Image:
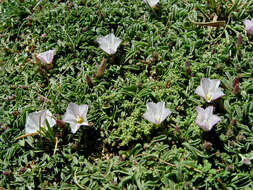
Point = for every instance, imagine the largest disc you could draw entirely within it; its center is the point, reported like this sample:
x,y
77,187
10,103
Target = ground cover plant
x,y
165,52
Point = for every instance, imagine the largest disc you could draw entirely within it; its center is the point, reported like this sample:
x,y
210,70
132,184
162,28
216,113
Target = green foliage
x,y
121,150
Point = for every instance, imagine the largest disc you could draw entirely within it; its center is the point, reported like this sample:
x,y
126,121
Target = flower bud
x,y
207,145
239,39
89,81
188,68
101,69
235,86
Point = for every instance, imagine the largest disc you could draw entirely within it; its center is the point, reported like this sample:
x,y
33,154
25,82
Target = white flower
x,y
248,26
152,3
37,120
76,116
156,113
109,43
209,89
46,57
206,119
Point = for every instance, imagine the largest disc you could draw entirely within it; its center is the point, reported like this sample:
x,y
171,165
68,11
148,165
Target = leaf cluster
x,y
121,149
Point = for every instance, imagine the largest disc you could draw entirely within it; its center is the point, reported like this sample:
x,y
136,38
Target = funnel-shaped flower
x,y
109,43
206,119
248,26
76,116
156,113
46,57
209,89
152,3
37,120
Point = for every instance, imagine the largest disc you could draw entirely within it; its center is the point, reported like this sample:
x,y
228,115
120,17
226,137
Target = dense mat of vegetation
x,y
162,57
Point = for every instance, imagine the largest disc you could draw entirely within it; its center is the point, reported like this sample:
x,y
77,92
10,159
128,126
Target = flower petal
x,y
215,83
209,110
199,91
205,84
47,115
217,94
201,125
73,108
205,118
248,26
150,118
165,112
47,56
75,115
156,112
71,113
74,127
32,123
152,3
68,117
109,43
209,89
247,22
200,110
213,120
38,119
83,109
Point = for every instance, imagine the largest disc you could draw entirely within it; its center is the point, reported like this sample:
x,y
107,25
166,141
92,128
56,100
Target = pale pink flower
x,y
151,3
248,26
206,119
44,35
209,89
109,43
46,57
75,115
37,120
156,113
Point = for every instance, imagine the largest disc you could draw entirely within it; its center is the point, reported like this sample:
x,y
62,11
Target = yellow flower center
x,y
43,127
79,119
158,121
208,97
